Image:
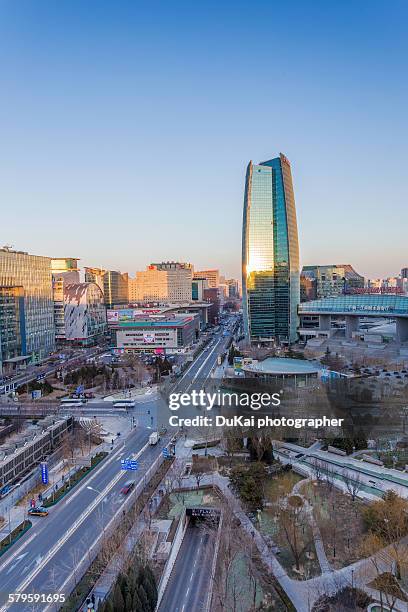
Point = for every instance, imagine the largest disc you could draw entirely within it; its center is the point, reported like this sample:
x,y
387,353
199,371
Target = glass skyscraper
x,y
29,276
270,253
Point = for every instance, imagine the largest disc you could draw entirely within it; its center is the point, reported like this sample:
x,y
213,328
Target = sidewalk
x,y
15,513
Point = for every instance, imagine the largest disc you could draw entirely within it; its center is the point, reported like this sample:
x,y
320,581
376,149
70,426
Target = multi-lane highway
x,y
187,590
55,552
53,555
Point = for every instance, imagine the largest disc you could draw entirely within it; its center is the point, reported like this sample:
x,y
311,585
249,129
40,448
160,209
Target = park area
x,y
340,521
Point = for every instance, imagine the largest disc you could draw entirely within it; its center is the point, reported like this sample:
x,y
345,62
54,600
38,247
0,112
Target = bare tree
x,y
330,476
198,476
353,483
294,526
318,469
229,588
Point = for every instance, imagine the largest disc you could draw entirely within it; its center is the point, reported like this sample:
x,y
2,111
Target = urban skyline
x,y
87,129
203,358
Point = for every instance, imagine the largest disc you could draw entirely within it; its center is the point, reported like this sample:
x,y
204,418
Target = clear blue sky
x,y
126,127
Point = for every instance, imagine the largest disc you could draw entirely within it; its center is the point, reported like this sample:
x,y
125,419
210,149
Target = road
x,y
48,557
56,551
45,369
187,589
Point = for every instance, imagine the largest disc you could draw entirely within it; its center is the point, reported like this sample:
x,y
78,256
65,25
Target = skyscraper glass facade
x,y
33,275
270,253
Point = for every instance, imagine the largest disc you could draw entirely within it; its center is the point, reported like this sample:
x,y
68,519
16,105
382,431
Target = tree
x,y
128,603
294,527
248,483
118,603
318,467
145,606
150,586
109,607
385,545
198,476
260,447
136,602
353,483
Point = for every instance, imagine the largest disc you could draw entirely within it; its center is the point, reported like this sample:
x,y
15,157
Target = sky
x,y
126,128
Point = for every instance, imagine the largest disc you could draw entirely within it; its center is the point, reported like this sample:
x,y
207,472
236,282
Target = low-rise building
x,y
160,334
22,454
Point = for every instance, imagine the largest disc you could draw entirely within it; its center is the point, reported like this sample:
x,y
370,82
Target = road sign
x,y
44,472
165,453
129,464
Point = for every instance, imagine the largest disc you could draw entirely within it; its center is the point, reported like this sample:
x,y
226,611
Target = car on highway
x,y
127,487
38,511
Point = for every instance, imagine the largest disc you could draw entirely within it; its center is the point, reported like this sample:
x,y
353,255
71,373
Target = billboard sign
x,y
44,472
238,362
112,316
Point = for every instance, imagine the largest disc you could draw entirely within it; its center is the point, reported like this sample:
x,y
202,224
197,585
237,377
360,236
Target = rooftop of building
x,y
366,305
348,269
282,366
165,322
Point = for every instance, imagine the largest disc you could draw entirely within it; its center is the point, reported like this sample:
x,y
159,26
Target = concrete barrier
x,y
178,539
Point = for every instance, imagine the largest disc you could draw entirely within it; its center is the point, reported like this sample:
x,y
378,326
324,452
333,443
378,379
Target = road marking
x,y
101,534
43,561
91,477
74,494
17,551
203,364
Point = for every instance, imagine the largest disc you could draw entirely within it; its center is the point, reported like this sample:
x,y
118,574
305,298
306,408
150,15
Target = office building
x,y
95,275
308,288
330,281
150,285
115,288
270,254
64,271
20,455
212,296
404,273
212,276
198,287
29,277
11,328
232,289
84,314
179,279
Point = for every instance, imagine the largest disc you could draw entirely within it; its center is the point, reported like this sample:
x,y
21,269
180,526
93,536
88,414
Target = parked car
x,y
38,511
